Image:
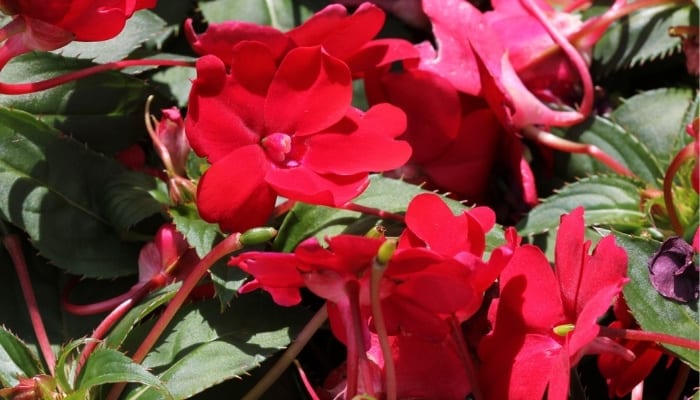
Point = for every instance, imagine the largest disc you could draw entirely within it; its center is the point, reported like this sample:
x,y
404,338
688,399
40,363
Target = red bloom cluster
x,y
435,277
271,112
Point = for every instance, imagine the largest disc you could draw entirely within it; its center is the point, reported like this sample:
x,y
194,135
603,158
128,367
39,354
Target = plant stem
x,y
679,382
14,247
380,326
31,87
645,336
557,143
226,246
289,355
685,154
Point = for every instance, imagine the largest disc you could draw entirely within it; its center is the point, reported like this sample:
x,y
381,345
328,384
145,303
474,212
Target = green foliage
x,y
653,312
280,14
16,359
53,188
642,37
204,346
609,200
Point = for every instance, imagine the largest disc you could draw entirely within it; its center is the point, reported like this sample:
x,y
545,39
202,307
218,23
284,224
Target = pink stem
x,y
289,355
372,211
307,385
31,87
14,247
571,52
226,246
555,142
99,307
645,336
685,154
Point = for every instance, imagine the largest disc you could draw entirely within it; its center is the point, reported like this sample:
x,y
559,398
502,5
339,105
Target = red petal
x,y
431,104
225,111
339,34
276,273
220,39
311,91
429,218
233,192
570,256
455,23
606,267
305,185
371,148
380,52
530,294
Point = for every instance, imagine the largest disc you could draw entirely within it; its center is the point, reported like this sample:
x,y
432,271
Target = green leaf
x,y
126,324
16,359
642,37
200,234
386,194
658,119
206,347
105,111
142,26
608,200
614,141
51,187
127,199
227,281
178,81
653,312
279,14
110,366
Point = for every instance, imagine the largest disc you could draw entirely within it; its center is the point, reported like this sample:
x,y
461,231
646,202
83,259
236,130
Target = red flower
x,y
458,142
286,129
546,320
51,24
343,36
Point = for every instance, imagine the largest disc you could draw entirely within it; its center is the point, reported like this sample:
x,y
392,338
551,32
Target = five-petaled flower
x,y
286,129
545,320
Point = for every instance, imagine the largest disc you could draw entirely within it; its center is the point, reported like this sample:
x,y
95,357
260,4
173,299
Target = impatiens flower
x,y
284,129
346,37
672,271
544,320
51,24
168,255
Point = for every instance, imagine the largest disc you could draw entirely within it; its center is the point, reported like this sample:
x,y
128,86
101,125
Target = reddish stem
x,y
307,385
685,154
373,211
289,355
31,87
100,306
645,336
571,52
14,247
679,382
226,246
555,142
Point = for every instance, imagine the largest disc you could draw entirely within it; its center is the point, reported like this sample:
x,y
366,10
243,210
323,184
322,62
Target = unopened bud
x,y
386,250
258,235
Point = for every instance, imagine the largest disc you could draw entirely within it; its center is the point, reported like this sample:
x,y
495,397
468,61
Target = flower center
x,y
277,146
563,330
